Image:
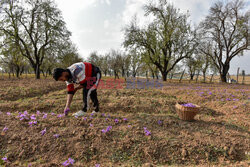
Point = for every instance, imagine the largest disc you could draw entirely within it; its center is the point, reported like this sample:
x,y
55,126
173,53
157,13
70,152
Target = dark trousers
x,y
90,90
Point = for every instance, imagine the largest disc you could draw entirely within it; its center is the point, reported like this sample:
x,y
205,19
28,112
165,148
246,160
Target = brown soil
x,y
219,136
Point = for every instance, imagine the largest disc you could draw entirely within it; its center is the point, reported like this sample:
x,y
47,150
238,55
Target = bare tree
x,y
225,34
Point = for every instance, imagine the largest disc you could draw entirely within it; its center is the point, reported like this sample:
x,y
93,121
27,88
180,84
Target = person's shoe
x,y
79,113
94,112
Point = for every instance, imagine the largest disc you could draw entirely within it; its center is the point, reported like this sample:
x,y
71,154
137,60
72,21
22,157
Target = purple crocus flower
x,y
91,125
147,132
116,120
38,112
43,131
45,116
66,112
159,122
103,114
56,135
107,129
8,113
129,126
5,129
97,165
33,117
53,113
32,122
125,119
60,115
5,159
68,162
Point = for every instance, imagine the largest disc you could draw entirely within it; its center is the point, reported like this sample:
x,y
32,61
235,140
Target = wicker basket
x,y
187,113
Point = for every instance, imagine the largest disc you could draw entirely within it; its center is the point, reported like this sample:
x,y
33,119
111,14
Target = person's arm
x,y
69,100
71,92
78,87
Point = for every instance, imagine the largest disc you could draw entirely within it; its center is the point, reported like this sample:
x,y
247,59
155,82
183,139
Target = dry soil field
x,y
135,127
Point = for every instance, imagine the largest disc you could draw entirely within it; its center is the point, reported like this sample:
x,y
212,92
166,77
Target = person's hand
x,y
66,111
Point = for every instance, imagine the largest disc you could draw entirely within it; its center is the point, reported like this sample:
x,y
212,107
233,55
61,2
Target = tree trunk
x,y
164,77
223,75
191,76
37,72
204,76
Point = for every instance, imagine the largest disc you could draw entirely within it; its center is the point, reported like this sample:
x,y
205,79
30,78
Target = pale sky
x,y
96,25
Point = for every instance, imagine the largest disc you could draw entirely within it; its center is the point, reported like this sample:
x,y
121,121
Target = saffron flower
x,y
5,159
5,129
43,131
66,112
107,129
159,122
45,116
32,122
68,162
33,117
23,116
59,115
56,135
147,132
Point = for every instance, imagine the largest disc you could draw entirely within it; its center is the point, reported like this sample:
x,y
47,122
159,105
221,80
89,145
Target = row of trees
x,y
34,35
170,40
